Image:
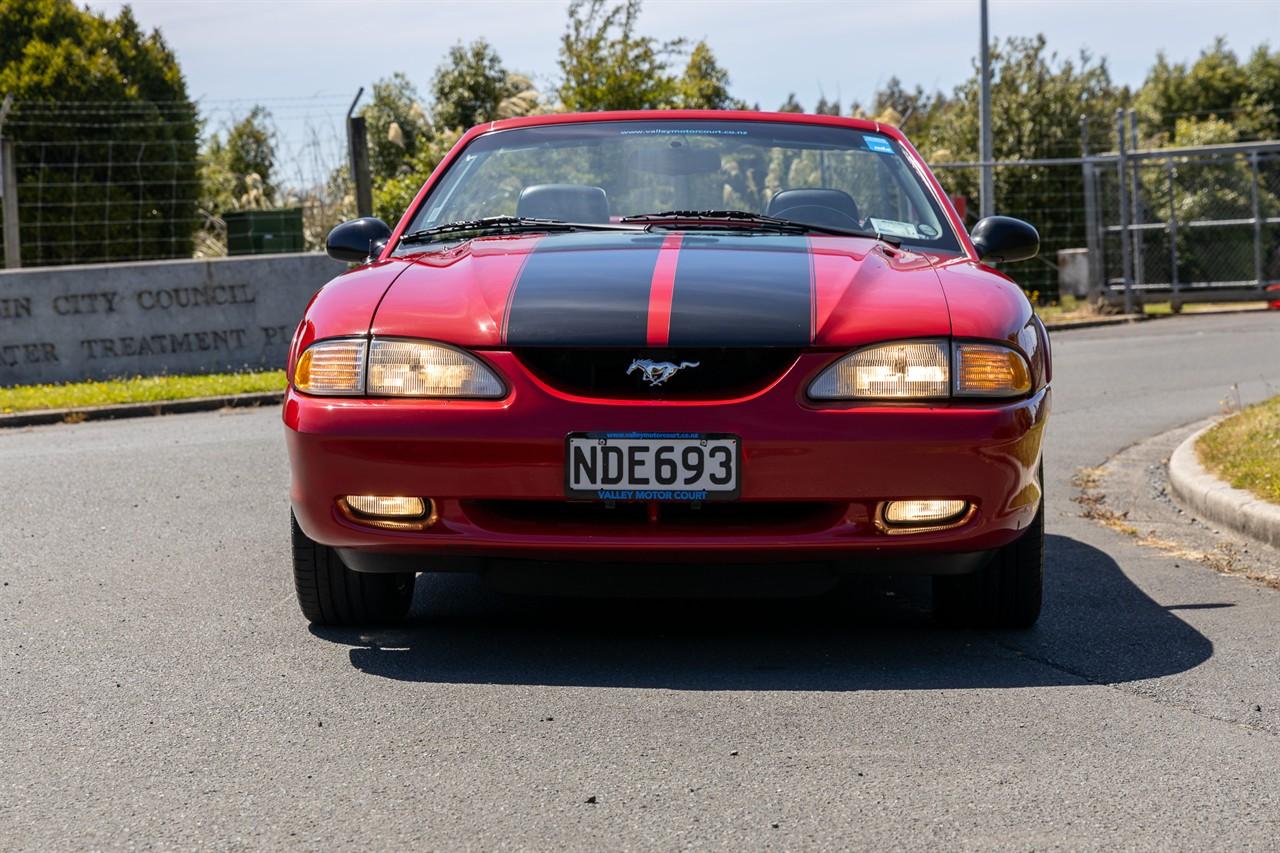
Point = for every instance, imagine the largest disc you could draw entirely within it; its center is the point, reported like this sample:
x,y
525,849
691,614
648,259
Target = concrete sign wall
x,y
59,324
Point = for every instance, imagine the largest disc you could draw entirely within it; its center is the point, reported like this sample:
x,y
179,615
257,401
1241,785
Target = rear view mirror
x,y
1003,238
358,240
676,161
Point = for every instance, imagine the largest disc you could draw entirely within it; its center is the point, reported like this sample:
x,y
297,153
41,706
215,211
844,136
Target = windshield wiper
x,y
747,219
506,225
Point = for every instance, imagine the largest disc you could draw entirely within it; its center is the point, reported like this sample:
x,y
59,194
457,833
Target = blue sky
x,y
315,53
289,48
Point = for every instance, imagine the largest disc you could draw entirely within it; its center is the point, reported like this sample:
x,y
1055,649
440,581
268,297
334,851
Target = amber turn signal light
x,y
334,367
985,370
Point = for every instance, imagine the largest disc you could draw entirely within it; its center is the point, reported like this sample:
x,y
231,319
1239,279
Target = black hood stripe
x,y
743,291
584,289
596,289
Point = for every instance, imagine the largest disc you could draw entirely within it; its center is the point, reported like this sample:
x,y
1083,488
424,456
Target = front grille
x,y
534,516
721,373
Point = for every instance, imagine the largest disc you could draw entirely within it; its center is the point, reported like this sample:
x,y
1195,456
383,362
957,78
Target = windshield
x,y
600,172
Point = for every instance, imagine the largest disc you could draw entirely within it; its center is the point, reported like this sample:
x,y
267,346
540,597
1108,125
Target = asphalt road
x,y
160,689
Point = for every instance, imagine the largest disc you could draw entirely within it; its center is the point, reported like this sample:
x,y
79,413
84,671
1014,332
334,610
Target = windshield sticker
x,y
879,144
894,228
681,131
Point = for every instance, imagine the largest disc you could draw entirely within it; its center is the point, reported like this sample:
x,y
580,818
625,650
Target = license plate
x,y
640,466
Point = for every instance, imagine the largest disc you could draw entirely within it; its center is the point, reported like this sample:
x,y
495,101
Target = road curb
x,y
1217,501
1124,319
1121,320
139,410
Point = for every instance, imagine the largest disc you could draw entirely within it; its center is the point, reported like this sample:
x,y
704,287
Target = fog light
x,y
390,512
387,507
923,513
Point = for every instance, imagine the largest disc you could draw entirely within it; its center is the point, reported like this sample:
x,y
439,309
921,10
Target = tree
x,y
1209,189
391,197
396,125
791,105
527,100
237,174
827,108
251,147
104,133
1263,73
607,66
1246,96
907,110
704,84
1037,99
471,85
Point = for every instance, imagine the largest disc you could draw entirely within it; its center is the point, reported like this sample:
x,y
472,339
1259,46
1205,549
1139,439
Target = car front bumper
x,y
812,477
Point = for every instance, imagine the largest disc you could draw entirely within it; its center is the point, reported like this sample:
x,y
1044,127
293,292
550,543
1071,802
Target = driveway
x,y
160,688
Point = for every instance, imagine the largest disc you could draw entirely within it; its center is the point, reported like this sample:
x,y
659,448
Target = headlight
x,y
924,370
915,370
354,366
419,369
333,367
990,370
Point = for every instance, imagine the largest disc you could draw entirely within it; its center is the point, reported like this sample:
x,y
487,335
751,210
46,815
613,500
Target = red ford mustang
x,y
646,342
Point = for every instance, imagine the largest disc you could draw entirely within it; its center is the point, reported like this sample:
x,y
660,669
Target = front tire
x,y
331,594
1006,593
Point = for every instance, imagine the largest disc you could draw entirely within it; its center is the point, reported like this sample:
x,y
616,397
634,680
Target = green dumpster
x,y
263,232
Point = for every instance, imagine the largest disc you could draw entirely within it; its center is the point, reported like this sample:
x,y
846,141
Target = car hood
x,y
690,289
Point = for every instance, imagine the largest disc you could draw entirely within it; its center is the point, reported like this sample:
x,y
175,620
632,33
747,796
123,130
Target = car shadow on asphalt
x,y
870,634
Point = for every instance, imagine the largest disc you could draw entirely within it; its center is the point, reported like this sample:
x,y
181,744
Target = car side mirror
x,y
1003,238
357,240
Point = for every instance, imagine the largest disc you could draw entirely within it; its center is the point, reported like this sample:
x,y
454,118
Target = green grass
x,y
1201,307
1244,450
1067,309
139,389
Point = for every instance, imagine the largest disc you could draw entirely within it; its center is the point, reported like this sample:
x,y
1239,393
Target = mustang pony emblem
x,y
657,372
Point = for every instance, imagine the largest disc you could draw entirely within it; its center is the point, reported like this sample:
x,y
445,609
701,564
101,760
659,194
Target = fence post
x,y
986,148
358,141
9,191
1135,199
1257,220
1092,237
1173,233
1122,173
358,148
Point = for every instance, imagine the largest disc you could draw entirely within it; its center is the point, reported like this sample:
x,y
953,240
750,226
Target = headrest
x,y
566,202
815,206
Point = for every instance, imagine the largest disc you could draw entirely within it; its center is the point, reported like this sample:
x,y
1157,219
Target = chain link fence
x,y
1189,224
95,182
1180,225
98,182
1048,193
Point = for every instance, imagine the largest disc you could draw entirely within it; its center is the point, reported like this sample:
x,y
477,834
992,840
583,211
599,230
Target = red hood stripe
x,y
661,290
